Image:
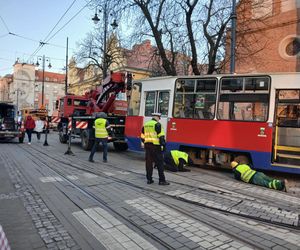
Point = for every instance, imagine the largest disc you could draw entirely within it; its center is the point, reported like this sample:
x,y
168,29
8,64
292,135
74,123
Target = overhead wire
x,y
60,19
4,23
46,42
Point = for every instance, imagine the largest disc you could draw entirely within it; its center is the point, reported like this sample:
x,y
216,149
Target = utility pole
x,y
66,78
233,37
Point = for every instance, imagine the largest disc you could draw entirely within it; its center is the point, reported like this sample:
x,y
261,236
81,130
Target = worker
x,y
176,160
102,129
245,173
153,138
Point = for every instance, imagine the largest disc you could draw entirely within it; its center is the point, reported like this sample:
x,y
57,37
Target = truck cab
x,y
10,127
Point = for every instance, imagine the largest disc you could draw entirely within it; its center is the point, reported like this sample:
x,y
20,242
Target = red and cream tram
x,y
218,117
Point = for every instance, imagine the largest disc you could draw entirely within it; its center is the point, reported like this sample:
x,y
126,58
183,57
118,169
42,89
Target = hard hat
x,y
156,114
234,164
101,115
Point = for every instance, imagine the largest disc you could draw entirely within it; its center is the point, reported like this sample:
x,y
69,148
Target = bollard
x,y
46,133
69,128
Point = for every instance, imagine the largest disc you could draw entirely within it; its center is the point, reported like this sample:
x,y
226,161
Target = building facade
x,y
24,87
268,36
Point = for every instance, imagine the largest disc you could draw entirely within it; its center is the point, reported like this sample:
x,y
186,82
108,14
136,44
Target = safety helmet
x,y
234,164
101,115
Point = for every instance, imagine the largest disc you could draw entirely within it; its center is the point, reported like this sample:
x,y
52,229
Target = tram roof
x,y
218,75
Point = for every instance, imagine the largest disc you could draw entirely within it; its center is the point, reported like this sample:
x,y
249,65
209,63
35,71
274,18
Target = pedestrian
x,y
29,127
176,160
244,173
39,126
153,138
102,129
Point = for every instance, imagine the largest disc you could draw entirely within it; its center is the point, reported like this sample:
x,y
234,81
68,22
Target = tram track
x,y
85,167
144,194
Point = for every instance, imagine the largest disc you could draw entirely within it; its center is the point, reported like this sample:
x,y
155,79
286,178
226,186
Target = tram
x,y
216,118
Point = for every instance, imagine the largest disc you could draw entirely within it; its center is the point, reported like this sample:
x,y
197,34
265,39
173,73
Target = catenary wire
x,y
59,20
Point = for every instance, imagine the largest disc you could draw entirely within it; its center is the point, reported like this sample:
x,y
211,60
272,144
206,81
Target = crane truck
x,y
77,112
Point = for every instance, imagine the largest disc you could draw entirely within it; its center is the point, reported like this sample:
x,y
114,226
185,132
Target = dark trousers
x,y
169,162
154,155
38,135
95,147
29,133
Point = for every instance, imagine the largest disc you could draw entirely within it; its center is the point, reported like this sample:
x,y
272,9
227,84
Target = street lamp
x,y
43,59
114,26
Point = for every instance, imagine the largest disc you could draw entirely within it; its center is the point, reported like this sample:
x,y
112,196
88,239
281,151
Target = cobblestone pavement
x,y
109,206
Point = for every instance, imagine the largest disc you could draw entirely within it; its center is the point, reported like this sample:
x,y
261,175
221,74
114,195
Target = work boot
x,y
105,161
150,181
91,160
164,183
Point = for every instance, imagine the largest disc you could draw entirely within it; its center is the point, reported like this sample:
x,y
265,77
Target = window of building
x,y
289,47
250,103
198,102
261,9
293,47
288,5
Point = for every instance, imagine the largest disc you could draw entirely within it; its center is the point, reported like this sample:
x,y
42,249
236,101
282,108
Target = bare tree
x,y
91,50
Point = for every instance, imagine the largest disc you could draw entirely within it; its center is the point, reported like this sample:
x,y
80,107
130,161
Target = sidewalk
x,y
16,222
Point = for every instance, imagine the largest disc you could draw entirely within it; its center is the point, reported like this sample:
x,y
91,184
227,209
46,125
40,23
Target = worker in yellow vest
x,y
102,128
176,160
153,138
244,173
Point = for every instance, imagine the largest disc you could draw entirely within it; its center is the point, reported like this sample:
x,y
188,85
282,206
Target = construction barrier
x,y
81,125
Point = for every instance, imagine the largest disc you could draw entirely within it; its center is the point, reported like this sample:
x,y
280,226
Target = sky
x,y
31,21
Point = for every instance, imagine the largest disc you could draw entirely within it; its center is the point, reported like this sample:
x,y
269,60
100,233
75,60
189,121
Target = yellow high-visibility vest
x,y
246,172
100,129
176,155
150,135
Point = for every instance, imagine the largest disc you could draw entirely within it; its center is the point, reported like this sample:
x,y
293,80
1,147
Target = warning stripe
x,y
81,125
70,124
55,119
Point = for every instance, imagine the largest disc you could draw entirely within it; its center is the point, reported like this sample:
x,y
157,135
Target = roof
x,y
50,76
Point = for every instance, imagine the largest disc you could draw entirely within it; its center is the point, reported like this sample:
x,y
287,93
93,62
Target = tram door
x,y
157,102
287,130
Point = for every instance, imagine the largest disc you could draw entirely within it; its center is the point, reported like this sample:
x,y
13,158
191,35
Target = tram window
x,y
198,104
288,115
232,84
185,85
183,106
243,111
163,103
256,83
150,103
206,85
135,99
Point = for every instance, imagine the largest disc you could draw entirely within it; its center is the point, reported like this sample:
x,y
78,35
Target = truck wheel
x,y
86,142
63,138
120,146
21,139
